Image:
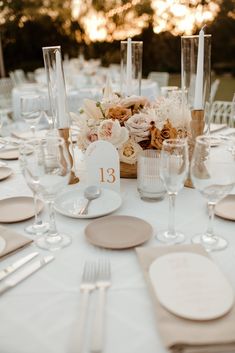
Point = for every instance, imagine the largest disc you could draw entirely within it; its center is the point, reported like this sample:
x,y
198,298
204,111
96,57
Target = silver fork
x,y
88,284
103,281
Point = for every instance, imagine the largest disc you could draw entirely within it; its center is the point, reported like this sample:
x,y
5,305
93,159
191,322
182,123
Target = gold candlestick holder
x,y
65,134
197,125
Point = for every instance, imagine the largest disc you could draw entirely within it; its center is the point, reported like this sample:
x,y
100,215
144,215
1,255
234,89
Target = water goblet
x,y
31,110
51,172
173,171
27,163
213,174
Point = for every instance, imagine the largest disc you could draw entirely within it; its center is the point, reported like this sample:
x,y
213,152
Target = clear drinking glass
x,y
173,171
149,183
30,110
27,164
213,174
50,172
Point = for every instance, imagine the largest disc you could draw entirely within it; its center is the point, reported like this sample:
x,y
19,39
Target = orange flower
x,y
119,113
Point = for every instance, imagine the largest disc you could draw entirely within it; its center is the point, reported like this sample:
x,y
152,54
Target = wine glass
x,y
173,172
213,174
50,172
27,164
30,110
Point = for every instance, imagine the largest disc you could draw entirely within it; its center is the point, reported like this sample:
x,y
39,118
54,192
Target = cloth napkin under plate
x,y
13,241
188,336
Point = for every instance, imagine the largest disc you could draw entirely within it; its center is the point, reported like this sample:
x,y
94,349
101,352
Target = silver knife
x,y
24,273
17,264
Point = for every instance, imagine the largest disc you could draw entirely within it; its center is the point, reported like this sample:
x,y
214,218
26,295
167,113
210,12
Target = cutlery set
x,y
8,283
96,276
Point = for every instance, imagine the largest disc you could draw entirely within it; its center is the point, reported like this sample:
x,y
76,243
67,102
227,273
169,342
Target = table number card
x,y
103,166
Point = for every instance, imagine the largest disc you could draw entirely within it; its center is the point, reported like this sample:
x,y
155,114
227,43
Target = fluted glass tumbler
x,y
149,183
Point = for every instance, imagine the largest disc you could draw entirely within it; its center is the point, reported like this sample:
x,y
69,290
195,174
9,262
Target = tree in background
x,y
114,20
28,25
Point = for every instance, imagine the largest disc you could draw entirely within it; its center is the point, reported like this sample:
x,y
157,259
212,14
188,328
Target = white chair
x,y
221,113
162,78
214,88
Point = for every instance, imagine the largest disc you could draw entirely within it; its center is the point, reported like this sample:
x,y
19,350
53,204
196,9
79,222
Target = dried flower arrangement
x,y
132,124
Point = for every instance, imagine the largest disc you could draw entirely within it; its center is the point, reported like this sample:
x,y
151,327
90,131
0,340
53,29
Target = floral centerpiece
x,y
132,124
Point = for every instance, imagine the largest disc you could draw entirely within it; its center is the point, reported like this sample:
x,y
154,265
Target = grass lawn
x,y
225,90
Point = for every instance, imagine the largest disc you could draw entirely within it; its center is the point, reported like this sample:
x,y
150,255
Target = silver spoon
x,y
91,193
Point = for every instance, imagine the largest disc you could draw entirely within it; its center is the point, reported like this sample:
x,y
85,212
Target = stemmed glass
x,y
30,110
27,163
173,172
213,174
50,172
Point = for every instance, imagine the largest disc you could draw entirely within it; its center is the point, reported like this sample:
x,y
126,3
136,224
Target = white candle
x,y
129,68
62,115
198,97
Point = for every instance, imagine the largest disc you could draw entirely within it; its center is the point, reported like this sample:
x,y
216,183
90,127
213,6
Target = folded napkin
x,y
182,335
13,241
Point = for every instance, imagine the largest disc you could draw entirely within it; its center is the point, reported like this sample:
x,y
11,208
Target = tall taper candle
x,y
129,68
198,97
62,114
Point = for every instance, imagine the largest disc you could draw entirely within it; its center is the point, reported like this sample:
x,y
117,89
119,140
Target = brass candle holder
x,y
65,134
197,125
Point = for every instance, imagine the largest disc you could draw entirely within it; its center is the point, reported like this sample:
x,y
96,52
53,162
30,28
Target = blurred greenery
x,y
28,25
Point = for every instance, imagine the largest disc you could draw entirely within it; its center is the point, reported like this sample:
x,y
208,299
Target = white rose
x,y
138,126
86,136
111,131
128,153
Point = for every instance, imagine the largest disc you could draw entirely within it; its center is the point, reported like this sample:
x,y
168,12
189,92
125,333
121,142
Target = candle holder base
x,y
65,134
197,127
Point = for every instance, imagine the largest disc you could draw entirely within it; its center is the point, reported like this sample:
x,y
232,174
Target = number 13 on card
x,y
107,175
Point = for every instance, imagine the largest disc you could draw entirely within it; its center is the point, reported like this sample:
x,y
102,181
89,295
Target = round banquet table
x,y
37,315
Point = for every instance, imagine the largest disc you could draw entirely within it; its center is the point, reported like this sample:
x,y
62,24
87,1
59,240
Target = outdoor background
x,y
96,27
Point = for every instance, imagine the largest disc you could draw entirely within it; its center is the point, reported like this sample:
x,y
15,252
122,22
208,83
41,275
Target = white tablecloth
x,y
75,96
37,316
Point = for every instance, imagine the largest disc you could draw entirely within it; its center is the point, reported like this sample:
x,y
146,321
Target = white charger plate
x,y
191,286
70,202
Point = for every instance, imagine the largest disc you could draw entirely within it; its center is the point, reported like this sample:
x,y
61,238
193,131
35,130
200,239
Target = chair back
x,y
221,113
214,88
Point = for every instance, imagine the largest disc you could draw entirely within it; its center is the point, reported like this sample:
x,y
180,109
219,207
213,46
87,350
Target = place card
x,y
191,286
103,165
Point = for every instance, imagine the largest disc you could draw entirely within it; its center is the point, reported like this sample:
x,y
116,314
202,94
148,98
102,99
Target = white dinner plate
x,y
226,208
191,286
27,135
17,209
118,232
9,153
2,244
5,172
70,202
